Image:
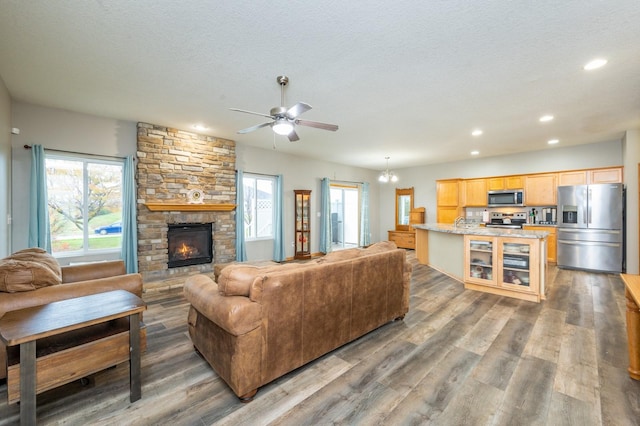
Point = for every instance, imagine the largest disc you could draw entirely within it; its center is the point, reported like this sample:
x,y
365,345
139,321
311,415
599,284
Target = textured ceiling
x,y
404,79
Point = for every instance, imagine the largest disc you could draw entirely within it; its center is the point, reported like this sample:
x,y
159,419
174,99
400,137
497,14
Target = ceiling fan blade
x,y
317,125
293,136
252,128
251,112
298,109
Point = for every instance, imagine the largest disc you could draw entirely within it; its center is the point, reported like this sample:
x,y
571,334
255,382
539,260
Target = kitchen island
x,y
507,262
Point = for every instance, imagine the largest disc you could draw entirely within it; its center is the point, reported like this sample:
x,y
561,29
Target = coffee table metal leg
x,y
28,383
135,385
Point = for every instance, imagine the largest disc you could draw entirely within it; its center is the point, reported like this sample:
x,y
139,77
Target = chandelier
x,y
386,175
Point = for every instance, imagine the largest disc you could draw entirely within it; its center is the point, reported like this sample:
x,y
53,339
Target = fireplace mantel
x,y
177,207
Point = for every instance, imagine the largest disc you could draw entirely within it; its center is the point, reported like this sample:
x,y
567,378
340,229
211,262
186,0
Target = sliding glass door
x,y
345,217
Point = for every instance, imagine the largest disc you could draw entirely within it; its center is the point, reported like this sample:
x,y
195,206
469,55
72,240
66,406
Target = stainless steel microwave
x,y
506,198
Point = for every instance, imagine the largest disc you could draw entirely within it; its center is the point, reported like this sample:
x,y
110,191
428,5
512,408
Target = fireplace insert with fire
x,y
190,244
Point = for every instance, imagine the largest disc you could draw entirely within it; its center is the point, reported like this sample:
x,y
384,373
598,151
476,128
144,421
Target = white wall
x,y
70,131
63,130
631,155
5,170
302,173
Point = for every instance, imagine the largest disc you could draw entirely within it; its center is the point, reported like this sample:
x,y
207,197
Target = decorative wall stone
x,y
172,162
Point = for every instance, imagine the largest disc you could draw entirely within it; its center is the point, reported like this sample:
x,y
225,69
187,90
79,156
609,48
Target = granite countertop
x,y
541,224
482,231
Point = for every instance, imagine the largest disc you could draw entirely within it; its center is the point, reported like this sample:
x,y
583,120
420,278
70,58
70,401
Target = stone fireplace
x,y
171,164
189,244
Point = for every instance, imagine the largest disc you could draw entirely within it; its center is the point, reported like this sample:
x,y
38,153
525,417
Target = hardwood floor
x,y
460,357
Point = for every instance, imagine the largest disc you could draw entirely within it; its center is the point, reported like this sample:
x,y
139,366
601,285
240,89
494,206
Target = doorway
x,y
345,217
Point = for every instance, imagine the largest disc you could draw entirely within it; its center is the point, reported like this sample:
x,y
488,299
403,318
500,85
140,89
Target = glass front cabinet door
x,y
518,264
480,261
303,226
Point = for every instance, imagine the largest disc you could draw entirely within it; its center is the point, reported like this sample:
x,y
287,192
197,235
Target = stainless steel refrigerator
x,y
591,227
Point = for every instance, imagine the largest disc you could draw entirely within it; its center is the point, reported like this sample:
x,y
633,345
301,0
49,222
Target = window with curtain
x,y
85,204
259,209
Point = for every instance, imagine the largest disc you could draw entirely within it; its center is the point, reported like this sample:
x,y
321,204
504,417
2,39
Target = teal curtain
x,y
39,231
325,216
278,226
129,225
365,238
241,249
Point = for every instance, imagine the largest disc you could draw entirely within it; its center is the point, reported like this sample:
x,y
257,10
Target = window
x,y
258,206
85,204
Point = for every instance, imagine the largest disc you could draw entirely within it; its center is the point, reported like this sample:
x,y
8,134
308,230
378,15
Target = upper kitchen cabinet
x,y
475,192
574,177
540,190
448,192
592,176
448,197
611,175
505,182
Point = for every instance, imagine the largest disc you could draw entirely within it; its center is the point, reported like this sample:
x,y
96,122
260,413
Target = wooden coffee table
x,y
75,337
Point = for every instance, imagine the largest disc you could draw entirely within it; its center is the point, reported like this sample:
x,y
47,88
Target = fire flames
x,y
186,252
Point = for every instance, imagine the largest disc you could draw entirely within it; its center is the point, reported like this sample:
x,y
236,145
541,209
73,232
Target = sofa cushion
x,y
236,280
27,270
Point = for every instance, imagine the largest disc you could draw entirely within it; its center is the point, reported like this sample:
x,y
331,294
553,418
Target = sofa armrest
x,y
235,314
26,299
92,271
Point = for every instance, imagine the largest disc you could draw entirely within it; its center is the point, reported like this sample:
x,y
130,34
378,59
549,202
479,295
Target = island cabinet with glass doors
x,y
302,222
505,266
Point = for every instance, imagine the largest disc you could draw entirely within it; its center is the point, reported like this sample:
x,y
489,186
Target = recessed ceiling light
x,y
476,132
553,141
546,118
475,152
595,64
200,127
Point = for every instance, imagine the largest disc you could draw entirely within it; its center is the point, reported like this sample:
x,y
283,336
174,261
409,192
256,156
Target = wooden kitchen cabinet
x,y
541,190
552,241
505,182
448,214
575,177
611,175
448,196
475,192
448,192
505,266
591,176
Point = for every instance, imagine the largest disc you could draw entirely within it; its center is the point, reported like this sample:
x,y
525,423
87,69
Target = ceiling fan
x,y
284,120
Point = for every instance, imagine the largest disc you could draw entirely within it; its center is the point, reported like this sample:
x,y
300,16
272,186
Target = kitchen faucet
x,y
458,221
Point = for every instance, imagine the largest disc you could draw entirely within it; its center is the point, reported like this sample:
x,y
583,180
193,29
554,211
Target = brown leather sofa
x,y
258,323
79,280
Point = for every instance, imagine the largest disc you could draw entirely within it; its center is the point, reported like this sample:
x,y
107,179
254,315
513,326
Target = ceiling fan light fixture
x,y
282,127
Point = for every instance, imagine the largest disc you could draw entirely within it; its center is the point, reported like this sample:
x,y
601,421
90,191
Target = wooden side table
x,y
25,326
632,296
